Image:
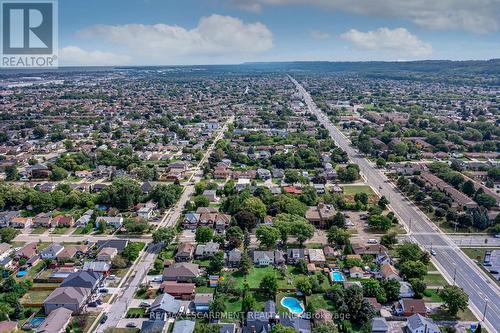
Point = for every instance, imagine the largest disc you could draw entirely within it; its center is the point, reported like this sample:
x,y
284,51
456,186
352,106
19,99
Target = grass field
x,y
35,296
353,189
435,280
466,315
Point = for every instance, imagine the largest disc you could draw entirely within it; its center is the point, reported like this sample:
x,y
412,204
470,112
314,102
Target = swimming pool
x,y
21,273
337,276
293,305
37,321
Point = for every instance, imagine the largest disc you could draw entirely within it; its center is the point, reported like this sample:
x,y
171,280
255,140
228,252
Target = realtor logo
x,y
29,33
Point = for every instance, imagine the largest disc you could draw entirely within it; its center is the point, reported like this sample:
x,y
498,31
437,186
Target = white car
x,y
433,252
372,241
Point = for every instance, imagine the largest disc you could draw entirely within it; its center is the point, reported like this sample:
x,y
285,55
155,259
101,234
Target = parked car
x,y
433,252
104,318
103,290
131,324
144,305
372,241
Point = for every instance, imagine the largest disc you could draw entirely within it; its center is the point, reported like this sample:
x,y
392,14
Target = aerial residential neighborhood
x,y
188,204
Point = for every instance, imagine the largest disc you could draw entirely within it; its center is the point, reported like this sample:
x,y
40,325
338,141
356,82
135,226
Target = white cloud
x,y
321,35
397,41
75,56
478,16
215,35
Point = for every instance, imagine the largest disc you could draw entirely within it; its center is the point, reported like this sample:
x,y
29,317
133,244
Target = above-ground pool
x,y
21,273
37,321
337,276
293,305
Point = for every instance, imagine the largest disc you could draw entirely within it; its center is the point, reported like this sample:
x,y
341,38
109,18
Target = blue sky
x,y
171,32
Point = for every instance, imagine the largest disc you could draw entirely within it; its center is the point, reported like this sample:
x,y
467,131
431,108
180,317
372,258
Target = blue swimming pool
x,y
21,273
37,321
337,276
293,305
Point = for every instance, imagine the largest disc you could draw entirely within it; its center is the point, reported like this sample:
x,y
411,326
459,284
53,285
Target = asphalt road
x,y
453,263
117,310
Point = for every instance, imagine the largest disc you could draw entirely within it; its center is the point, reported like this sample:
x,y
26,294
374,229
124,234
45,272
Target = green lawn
x,y
476,253
38,230
466,315
35,296
60,231
431,295
319,301
353,189
136,313
205,290
435,280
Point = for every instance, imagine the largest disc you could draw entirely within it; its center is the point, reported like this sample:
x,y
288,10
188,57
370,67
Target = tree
x,y
268,236
234,236
164,235
468,188
269,285
338,220
361,197
486,200
255,206
418,286
383,202
413,269
201,201
302,230
325,327
245,264
11,173
8,234
248,303
380,222
301,266
123,193
216,263
58,173
39,132
246,220
279,328
455,299
372,288
360,310
217,306
388,240
391,288
165,195
338,236
381,162
132,250
204,234
411,252
303,284
118,262
202,327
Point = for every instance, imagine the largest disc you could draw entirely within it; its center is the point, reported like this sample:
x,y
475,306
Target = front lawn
x,y
435,280
136,313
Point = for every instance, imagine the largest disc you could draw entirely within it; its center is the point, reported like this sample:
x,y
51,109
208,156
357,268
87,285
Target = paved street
x,y
483,292
123,299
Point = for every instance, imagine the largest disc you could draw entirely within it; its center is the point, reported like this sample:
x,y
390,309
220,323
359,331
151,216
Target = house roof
x,y
387,270
56,321
413,305
68,295
165,302
152,326
182,269
173,287
416,321
118,244
8,326
84,279
379,324
183,326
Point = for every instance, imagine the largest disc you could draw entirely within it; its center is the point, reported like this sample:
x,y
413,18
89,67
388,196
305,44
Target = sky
x,y
187,32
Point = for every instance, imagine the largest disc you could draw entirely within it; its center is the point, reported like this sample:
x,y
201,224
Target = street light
x,y
485,308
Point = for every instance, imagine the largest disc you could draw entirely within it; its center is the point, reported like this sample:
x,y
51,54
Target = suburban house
x,y
71,298
202,301
27,251
164,307
107,254
420,324
317,257
234,258
405,290
100,267
184,291
294,255
181,272
379,325
320,215
266,258
83,279
7,326
42,220
114,221
206,250
389,272
408,307
63,221
153,326
191,220
118,244
356,272
184,252
211,195
20,222
184,326
51,251
56,321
